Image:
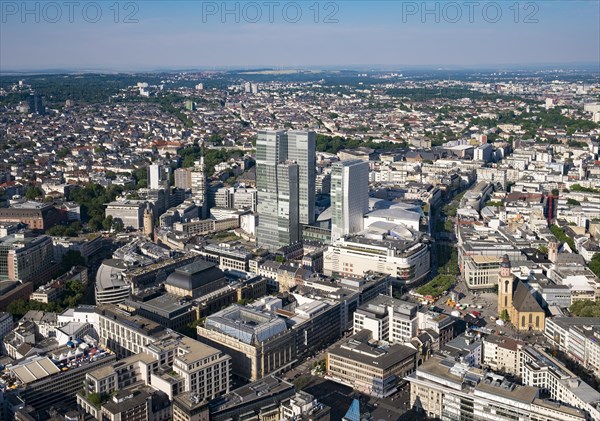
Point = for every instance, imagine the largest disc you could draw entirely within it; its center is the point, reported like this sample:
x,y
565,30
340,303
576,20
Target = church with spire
x,y
513,296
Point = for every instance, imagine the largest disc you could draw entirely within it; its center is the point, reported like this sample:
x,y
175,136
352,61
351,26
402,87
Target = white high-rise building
x,y
155,176
199,187
349,197
285,183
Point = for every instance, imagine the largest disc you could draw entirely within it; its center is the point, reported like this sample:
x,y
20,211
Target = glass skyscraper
x,y
349,196
285,180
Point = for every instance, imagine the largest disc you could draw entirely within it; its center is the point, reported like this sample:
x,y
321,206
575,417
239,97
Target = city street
x,y
339,397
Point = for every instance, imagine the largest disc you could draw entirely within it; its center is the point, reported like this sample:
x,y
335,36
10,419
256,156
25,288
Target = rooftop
x,y
246,324
256,391
359,347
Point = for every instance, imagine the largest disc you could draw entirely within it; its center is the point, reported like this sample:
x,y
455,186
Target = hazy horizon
x,y
156,35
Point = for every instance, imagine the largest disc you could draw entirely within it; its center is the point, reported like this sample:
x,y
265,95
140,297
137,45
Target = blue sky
x,y
197,34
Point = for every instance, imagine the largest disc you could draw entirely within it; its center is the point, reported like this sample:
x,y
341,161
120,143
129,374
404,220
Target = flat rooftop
x,y
194,351
166,303
263,389
379,357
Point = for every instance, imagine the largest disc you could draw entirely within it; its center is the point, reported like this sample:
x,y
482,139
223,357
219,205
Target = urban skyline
x,y
300,211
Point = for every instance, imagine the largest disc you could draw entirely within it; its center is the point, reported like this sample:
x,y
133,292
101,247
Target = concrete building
x,y
14,290
41,381
578,337
259,400
448,390
195,279
124,333
228,256
183,178
87,245
481,272
483,153
136,405
259,343
540,369
6,326
37,216
303,407
168,310
172,363
131,212
157,175
351,293
236,198
315,322
441,325
466,348
502,353
370,367
111,286
349,197
189,407
199,186
206,371
407,261
27,258
192,361
205,226
388,319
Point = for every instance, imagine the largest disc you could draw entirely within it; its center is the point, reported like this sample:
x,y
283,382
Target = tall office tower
x,y
183,178
271,149
155,176
302,150
36,104
199,187
288,218
349,196
284,158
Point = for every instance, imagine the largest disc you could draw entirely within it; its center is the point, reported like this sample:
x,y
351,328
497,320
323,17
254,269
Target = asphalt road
x,y
339,398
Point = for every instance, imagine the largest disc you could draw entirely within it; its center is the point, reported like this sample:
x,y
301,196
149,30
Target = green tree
x,y
107,223
559,233
33,192
504,316
118,225
62,153
595,264
17,308
437,285
579,188
71,259
95,399
586,308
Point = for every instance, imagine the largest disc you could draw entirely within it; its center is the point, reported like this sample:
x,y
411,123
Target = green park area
x,y
437,286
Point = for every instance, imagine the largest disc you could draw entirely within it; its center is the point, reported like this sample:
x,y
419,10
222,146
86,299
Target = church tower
x,y
505,286
149,221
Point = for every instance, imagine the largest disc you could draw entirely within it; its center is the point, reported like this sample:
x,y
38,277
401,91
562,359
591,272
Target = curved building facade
x,y
111,288
405,260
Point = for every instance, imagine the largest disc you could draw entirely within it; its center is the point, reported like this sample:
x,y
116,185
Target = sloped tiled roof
x,y
523,301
